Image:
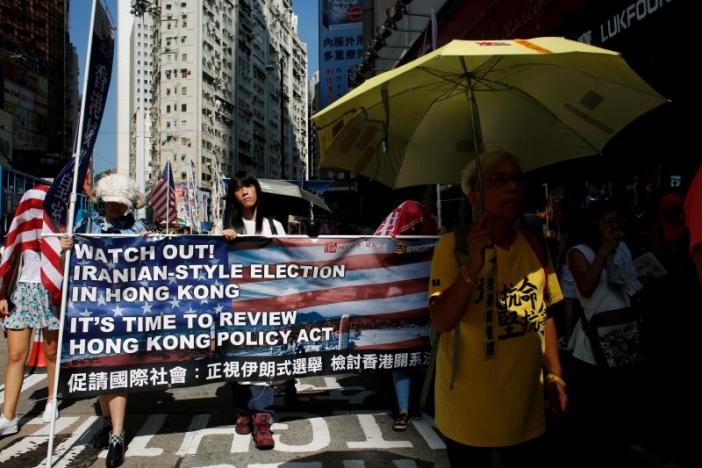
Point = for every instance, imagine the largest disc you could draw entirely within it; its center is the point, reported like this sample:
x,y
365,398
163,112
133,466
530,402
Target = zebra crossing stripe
x,y
29,381
67,450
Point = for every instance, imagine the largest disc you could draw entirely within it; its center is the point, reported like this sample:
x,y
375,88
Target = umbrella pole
x,y
477,135
438,205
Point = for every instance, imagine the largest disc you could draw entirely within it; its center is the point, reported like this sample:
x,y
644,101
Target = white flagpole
x,y
195,200
69,229
168,196
189,201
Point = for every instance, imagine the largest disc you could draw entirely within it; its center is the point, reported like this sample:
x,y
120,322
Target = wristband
x,y
556,379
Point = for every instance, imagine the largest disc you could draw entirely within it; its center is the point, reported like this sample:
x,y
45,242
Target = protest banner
x,y
148,313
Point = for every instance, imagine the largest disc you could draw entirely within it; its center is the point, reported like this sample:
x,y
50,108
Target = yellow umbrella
x,y
544,100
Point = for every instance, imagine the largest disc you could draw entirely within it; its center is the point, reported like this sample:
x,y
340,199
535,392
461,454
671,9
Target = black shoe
x,y
115,451
101,439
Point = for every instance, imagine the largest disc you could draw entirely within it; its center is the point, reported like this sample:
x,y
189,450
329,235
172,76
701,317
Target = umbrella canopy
x,y
286,189
544,100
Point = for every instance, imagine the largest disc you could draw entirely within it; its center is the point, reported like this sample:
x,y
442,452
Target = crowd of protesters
x,y
576,312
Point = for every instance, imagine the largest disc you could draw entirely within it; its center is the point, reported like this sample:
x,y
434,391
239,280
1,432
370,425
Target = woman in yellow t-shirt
x,y
490,386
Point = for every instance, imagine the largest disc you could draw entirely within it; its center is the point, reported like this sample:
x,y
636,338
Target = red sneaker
x,y
262,431
243,423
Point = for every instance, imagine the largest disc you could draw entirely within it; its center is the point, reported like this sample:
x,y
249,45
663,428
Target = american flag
x,y
163,198
25,234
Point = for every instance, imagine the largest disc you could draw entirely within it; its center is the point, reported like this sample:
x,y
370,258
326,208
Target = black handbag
x,y
614,337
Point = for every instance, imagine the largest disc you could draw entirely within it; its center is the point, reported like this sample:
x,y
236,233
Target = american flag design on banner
x,y
383,284
25,231
162,198
193,310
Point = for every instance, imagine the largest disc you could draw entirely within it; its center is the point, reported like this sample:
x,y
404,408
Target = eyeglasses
x,y
501,179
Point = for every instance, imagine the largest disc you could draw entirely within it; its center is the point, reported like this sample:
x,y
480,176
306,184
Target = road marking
x,y
67,450
425,428
196,431
137,447
29,381
330,383
287,465
321,437
32,441
374,436
216,466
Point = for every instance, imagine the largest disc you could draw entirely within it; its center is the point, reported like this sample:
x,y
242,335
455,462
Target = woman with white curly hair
x,y
118,196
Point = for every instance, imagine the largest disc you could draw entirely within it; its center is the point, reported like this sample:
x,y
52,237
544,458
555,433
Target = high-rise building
x,y
213,87
313,108
123,42
141,81
71,109
33,82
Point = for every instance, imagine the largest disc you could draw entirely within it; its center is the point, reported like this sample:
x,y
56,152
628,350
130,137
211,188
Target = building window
x,y
183,90
184,57
168,108
183,107
183,124
183,176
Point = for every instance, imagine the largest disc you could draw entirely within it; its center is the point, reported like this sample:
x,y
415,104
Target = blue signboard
x,y
341,46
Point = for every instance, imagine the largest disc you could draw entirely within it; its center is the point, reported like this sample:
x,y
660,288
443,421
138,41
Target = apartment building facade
x,y
223,87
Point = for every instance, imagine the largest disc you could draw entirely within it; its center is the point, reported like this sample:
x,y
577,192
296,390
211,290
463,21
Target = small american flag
x,y
162,197
25,234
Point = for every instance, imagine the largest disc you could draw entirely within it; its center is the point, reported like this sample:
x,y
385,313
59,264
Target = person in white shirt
x,y
243,214
607,372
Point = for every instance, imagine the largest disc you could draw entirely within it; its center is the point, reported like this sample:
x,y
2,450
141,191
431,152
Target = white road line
x,y
425,428
70,448
29,381
33,440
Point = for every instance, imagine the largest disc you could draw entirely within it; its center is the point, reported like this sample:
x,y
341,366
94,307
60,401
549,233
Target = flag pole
x,y
168,197
69,229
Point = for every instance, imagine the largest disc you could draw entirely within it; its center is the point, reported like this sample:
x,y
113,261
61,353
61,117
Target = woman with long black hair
x,y
243,214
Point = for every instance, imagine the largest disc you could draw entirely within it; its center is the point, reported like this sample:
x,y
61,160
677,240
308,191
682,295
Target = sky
x,y
106,144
